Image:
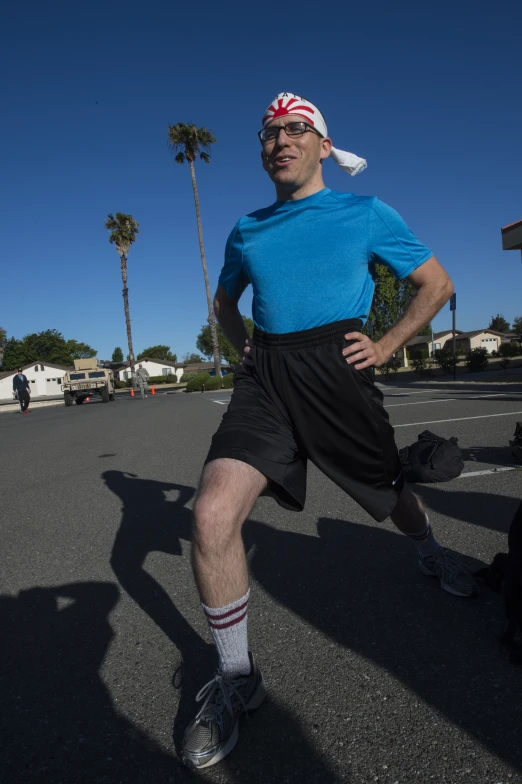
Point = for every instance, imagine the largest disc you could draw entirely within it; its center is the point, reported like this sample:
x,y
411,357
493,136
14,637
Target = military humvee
x,y
87,380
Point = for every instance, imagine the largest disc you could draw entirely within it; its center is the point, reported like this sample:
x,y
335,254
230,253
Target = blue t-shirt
x,y
310,261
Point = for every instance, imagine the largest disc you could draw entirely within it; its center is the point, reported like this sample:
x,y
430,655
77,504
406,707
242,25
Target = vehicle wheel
x,y
67,398
111,397
80,400
105,394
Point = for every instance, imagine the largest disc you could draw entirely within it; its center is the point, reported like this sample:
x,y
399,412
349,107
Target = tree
x,y
226,349
191,359
425,331
117,355
14,355
517,325
123,230
80,350
189,142
158,352
499,324
3,339
46,346
390,300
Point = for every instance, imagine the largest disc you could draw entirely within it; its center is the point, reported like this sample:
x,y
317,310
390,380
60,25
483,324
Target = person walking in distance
x,y
142,377
304,391
22,390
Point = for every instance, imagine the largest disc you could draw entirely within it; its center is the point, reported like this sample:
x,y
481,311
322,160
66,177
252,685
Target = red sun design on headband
x,y
290,108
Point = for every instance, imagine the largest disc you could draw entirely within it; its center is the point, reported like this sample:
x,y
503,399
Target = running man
x,y
304,390
142,377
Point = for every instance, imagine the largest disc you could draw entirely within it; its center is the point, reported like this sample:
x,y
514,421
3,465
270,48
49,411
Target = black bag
x,y
431,459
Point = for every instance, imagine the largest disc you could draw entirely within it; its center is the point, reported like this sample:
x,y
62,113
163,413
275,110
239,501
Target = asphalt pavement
x,y
374,673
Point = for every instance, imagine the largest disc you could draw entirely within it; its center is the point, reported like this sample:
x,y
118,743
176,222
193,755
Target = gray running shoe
x,y
214,732
453,576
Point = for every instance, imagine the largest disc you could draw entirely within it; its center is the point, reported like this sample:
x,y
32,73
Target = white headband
x,y
289,103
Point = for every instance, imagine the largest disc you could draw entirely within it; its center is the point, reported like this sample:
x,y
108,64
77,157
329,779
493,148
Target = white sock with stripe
x,y
229,629
425,542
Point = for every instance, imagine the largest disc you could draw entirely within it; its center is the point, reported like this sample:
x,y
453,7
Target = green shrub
x,y
197,383
444,359
477,360
509,349
417,353
186,377
170,379
228,381
214,382
119,384
421,366
390,368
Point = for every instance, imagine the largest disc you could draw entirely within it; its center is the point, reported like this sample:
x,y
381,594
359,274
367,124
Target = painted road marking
x,y
423,402
443,400
490,471
221,402
458,419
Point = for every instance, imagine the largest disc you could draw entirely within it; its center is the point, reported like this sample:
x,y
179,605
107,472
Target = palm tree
x,y
188,142
123,230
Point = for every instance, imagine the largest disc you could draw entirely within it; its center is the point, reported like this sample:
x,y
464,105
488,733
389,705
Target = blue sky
x,y
429,94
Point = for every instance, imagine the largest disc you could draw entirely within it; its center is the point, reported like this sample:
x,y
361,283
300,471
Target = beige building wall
x,y
485,340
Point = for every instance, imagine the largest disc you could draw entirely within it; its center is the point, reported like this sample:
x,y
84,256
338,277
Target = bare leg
x,y
409,515
228,491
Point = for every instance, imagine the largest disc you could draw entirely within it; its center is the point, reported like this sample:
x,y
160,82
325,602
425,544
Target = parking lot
x,y
374,673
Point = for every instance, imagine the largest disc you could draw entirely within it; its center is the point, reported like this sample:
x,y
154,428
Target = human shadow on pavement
x,y
58,722
152,523
486,510
269,745
360,587
486,456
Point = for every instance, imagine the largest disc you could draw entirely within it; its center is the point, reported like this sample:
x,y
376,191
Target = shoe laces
x,y
451,566
218,692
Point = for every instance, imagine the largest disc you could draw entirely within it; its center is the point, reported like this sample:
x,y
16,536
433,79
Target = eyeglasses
x,y
292,129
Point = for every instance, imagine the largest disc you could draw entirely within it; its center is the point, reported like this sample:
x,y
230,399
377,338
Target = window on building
x,y
165,371
36,368
58,380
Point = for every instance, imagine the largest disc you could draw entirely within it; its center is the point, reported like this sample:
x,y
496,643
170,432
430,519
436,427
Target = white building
x,y
162,367
154,367
45,379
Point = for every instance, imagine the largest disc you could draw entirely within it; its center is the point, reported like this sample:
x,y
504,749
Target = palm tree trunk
x,y
132,361
211,317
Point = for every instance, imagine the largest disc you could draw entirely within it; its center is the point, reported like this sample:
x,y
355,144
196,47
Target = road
x,y
374,673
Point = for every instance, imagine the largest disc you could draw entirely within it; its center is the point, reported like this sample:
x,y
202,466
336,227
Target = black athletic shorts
x,y
301,400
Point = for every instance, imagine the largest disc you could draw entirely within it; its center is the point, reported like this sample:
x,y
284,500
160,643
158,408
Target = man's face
x,y
292,162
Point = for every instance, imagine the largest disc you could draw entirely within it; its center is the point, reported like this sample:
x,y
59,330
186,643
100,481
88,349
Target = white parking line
x,y
458,419
490,471
221,402
423,402
410,392
443,400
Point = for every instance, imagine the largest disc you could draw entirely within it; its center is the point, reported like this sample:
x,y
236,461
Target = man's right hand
x,y
247,357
